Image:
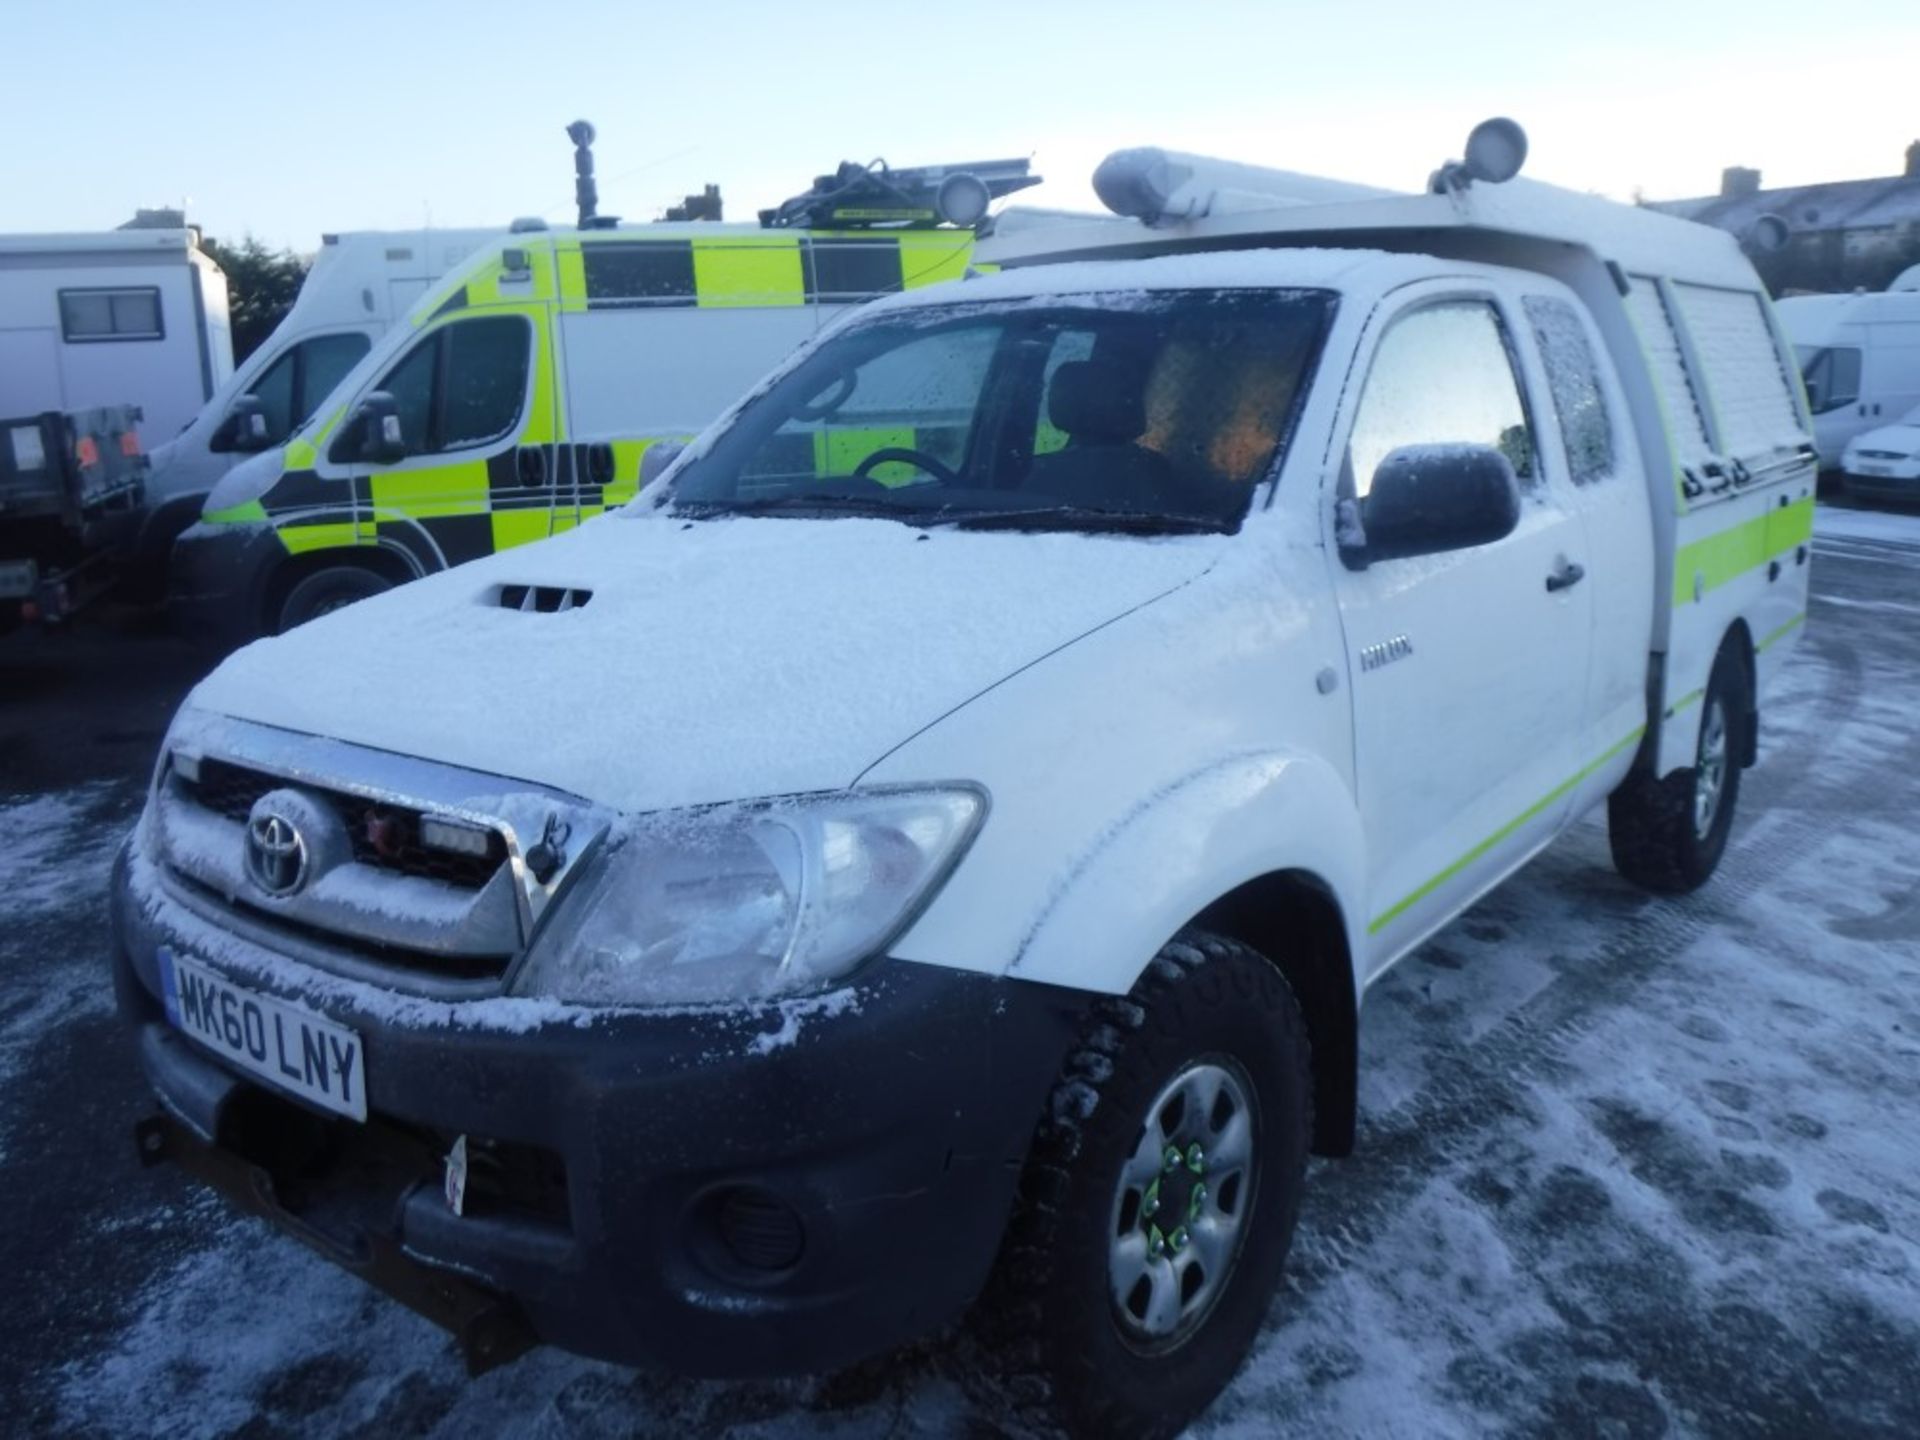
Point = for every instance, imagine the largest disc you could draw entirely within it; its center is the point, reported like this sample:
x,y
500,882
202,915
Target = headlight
x,y
749,901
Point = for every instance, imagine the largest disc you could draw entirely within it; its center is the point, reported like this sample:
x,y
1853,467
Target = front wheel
x,y
1159,1201
325,591
1668,835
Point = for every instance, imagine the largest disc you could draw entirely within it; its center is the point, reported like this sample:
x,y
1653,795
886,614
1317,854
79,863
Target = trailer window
x,y
105,314
1573,377
1752,393
1679,397
1442,375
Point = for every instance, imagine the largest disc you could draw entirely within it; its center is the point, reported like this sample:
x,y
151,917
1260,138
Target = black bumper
x,y
724,1194
218,583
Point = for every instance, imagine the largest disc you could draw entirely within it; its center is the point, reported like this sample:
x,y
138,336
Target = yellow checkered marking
x,y
746,271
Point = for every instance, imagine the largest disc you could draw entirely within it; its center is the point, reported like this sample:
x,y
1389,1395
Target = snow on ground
x,y
1628,1167
1835,522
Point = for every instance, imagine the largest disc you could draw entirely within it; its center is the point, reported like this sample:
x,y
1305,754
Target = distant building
x,y
1842,235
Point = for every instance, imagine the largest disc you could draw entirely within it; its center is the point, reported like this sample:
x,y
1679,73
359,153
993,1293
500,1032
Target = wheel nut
x,y
1179,1238
1199,1199
1196,1159
1170,1160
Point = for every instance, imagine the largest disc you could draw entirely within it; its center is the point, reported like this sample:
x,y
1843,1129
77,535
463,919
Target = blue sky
x,y
287,121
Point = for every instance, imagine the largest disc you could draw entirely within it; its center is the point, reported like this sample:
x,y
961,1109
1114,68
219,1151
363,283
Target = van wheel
x,y
1158,1202
325,591
1668,835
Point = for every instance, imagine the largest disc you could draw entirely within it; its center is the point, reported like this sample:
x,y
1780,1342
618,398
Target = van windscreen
x,y
1158,410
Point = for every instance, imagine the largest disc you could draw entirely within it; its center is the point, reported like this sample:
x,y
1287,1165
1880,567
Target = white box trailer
x,y
124,317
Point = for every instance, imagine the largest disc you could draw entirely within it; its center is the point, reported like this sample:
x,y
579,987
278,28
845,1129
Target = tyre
x,y
1668,835
325,591
1158,1202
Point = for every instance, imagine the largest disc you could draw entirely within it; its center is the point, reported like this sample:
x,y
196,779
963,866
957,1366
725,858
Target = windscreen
x,y
1142,411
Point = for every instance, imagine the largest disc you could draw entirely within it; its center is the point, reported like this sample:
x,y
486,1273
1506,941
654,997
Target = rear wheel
x,y
325,591
1159,1201
1668,835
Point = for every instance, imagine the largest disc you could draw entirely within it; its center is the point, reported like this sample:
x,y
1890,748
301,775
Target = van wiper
x,y
1084,517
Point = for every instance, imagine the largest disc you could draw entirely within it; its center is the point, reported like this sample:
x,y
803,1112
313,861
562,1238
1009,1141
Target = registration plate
x,y
286,1045
1862,468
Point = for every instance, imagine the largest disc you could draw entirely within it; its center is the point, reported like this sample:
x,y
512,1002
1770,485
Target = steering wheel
x,y
916,458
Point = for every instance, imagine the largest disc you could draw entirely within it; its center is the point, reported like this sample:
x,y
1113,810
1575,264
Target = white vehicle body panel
x,y
50,361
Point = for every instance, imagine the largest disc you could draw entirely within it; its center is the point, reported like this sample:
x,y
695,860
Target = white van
x,y
747,931
1860,356
123,317
359,284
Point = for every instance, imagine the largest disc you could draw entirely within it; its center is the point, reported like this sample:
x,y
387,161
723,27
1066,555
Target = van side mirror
x,y
372,434
244,430
1426,499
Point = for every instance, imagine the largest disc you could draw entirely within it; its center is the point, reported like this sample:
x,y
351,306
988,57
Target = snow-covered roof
x,y
1519,210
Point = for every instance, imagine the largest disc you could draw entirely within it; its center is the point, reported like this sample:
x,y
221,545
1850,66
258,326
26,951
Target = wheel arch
x,y
390,562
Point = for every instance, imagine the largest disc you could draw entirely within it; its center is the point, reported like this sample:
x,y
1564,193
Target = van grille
x,y
385,837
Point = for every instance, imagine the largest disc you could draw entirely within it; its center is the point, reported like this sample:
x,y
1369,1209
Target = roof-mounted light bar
x,y
1160,187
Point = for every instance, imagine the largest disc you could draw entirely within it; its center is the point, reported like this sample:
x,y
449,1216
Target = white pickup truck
x,y
927,855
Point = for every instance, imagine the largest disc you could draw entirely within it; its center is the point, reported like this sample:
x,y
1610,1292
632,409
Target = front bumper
x,y
724,1193
218,581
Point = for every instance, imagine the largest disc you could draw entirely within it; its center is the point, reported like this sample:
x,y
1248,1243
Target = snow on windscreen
x,y
1141,404
1751,392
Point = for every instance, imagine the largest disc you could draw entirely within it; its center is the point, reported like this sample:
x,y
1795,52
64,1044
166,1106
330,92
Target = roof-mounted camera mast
x,y
858,197
585,193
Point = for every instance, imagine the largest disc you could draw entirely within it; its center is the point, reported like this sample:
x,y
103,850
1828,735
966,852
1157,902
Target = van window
x,y
105,314
1752,393
1573,376
289,389
462,385
1162,411
1442,375
1832,375
1686,422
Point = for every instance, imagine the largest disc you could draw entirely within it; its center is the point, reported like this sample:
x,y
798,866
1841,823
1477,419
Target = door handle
x,y
1566,576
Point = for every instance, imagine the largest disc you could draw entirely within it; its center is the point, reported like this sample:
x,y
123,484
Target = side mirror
x,y
657,457
244,430
372,434
1430,498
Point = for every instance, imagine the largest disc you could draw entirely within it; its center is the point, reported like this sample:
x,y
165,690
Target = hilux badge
x,y
276,853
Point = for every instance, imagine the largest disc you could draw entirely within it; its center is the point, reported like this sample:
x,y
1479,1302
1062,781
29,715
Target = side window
x,y
1573,376
1441,376
105,314
275,392
1068,346
1678,396
1832,376
462,385
1752,393
325,361
485,380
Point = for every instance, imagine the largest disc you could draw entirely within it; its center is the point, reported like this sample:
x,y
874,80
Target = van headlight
x,y
748,901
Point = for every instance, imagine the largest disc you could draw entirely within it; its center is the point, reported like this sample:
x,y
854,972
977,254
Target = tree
x,y
261,286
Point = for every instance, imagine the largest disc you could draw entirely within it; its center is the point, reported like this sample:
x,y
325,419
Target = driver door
x,y
1468,667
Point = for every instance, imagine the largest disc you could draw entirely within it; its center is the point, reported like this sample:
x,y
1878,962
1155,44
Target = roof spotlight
x,y
1496,149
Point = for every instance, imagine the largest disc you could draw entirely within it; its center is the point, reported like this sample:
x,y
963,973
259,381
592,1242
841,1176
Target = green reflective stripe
x,y
299,539
518,527
248,513
1683,702
1532,812
1740,548
1780,634
431,491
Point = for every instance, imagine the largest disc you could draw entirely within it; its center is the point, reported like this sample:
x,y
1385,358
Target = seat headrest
x,y
1097,403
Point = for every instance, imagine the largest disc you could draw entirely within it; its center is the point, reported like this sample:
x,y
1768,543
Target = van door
x,y
477,413
1468,668
1891,385
1832,374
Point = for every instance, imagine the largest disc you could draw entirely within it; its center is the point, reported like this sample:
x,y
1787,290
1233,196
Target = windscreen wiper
x,y
812,502
1083,517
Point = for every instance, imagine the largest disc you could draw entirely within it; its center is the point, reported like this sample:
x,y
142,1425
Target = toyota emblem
x,y
276,853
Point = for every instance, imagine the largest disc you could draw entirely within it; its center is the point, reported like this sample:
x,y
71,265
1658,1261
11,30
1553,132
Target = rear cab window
x,y
1573,381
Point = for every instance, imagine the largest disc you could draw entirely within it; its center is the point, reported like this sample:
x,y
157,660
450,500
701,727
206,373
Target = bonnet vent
x,y
543,599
